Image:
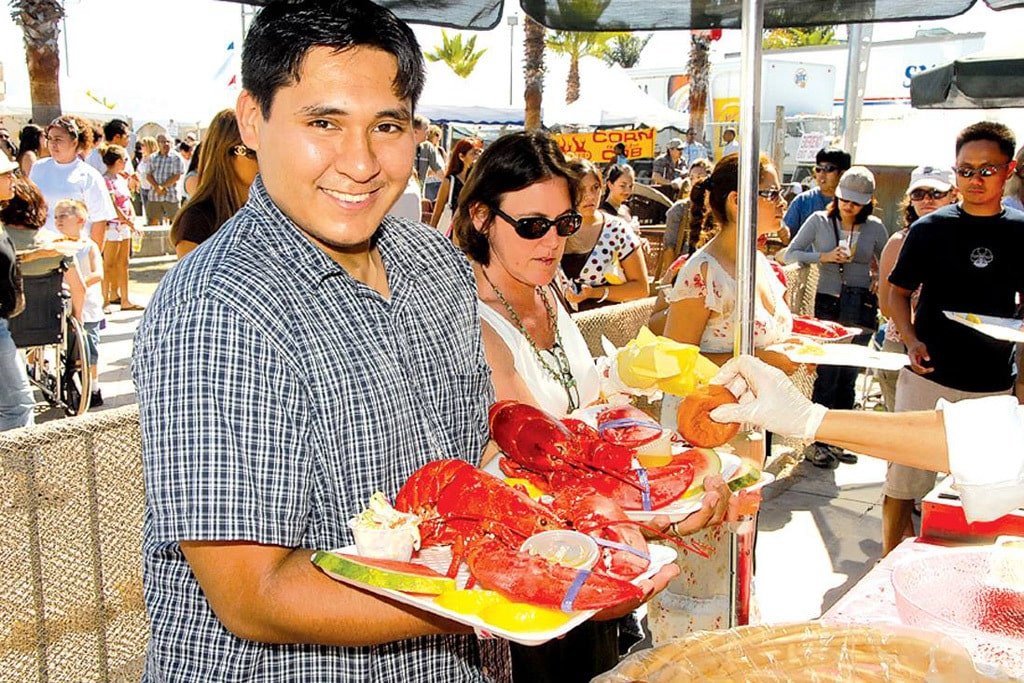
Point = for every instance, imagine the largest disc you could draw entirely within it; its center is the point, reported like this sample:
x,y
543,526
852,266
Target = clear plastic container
x,y
561,546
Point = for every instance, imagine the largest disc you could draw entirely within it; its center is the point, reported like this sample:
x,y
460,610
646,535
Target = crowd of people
x,y
318,342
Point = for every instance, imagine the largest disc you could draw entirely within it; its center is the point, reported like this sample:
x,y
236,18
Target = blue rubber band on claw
x,y
577,584
622,546
645,488
627,422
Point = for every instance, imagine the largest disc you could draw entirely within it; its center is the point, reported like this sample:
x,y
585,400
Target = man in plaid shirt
x,y
165,168
311,353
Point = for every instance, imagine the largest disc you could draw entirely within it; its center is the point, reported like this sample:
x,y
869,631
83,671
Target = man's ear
x,y
250,118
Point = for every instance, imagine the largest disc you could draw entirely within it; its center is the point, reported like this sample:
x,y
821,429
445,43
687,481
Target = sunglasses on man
x,y
984,171
535,227
919,194
826,168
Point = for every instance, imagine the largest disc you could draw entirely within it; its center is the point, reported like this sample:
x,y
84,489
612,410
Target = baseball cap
x,y
675,143
7,165
936,177
856,185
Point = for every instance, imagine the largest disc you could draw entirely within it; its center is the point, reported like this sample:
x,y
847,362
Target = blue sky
x,y
156,59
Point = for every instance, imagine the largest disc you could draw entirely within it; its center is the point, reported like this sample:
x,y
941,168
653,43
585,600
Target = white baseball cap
x,y
857,184
7,165
935,177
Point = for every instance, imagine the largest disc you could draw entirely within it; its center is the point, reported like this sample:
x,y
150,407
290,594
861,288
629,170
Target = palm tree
x,y
533,71
40,26
461,57
624,49
577,44
699,68
783,38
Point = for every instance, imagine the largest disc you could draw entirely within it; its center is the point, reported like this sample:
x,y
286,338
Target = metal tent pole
x,y
752,23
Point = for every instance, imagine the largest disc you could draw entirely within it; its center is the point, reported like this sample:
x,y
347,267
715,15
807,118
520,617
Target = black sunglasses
x,y
243,151
919,194
772,194
535,227
984,171
825,168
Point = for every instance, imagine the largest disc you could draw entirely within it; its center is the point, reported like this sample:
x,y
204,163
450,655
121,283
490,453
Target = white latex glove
x,y
767,399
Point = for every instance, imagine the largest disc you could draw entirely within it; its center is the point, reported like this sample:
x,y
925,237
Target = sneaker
x,y
843,455
822,456
96,399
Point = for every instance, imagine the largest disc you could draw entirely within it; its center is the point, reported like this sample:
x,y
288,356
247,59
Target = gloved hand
x,y
767,399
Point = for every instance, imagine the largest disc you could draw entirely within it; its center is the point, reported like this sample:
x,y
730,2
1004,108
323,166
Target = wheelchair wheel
x,y
76,379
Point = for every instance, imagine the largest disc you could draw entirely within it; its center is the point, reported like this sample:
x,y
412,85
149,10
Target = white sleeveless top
x,y
547,392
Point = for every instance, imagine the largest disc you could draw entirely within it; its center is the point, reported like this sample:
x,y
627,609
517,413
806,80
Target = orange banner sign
x,y
599,146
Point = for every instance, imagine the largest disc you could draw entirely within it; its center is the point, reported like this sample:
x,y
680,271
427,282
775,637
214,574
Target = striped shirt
x,y
276,395
162,167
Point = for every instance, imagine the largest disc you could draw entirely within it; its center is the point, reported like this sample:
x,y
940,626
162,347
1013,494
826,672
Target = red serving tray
x,y
942,518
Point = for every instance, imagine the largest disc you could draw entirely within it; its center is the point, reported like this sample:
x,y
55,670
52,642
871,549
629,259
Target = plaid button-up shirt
x,y
163,167
277,394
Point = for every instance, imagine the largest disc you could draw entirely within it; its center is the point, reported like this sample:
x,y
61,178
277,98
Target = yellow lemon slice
x,y
469,601
518,616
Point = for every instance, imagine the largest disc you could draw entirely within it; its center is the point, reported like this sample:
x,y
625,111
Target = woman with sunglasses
x,y
603,262
226,170
843,241
931,188
515,215
464,155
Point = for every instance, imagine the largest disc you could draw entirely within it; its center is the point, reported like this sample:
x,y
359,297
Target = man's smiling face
x,y
337,148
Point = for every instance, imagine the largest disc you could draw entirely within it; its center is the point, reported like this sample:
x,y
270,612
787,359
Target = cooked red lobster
x,y
554,454
821,329
486,522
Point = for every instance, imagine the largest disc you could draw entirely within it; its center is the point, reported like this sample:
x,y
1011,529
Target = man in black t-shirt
x,y
16,402
967,257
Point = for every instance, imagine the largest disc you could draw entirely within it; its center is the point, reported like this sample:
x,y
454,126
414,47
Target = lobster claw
x,y
532,438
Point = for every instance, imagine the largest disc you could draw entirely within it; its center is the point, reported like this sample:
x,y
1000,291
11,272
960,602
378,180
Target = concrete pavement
x,y
819,530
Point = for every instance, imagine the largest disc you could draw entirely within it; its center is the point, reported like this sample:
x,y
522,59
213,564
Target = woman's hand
x,y
586,292
837,255
778,360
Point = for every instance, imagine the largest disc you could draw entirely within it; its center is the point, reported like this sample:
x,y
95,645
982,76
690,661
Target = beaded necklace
x,y
563,375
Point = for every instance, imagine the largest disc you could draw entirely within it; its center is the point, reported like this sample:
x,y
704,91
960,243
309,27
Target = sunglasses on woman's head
x,y
535,227
772,194
243,151
919,194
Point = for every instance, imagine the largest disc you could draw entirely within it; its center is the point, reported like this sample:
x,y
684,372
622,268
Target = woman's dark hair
x,y
906,207
193,163
614,173
30,139
455,158
112,153
284,32
509,164
866,211
115,127
708,197
27,208
582,168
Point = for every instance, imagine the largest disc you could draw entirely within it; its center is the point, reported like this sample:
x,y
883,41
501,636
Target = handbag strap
x,y
835,229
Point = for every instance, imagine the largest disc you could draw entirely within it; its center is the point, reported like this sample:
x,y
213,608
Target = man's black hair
x,y
286,30
115,127
835,156
988,130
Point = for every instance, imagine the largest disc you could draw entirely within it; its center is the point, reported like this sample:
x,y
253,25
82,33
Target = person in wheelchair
x,y
16,402
71,216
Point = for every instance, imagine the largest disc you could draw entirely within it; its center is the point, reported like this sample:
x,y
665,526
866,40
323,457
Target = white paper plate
x,y
64,247
843,354
1006,329
438,559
